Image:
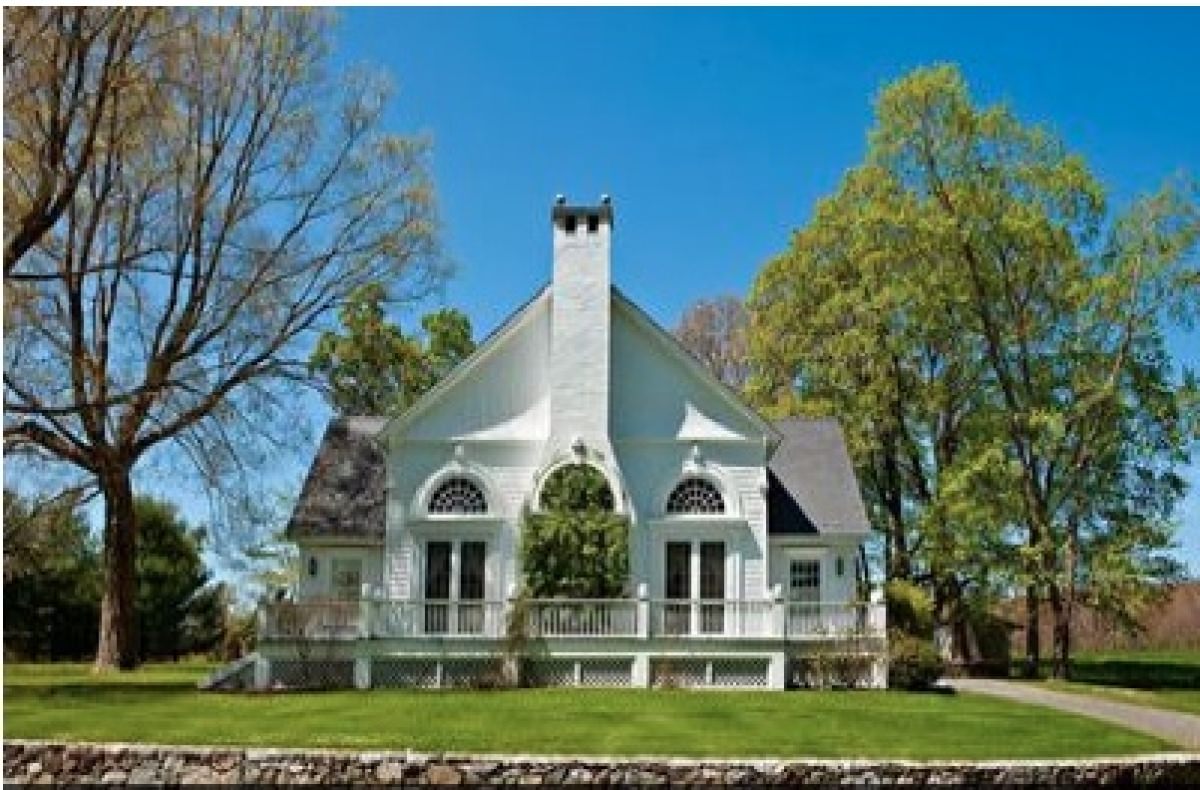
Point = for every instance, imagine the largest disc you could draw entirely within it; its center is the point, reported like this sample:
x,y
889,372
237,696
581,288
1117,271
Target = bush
x,y
909,609
913,663
576,547
832,670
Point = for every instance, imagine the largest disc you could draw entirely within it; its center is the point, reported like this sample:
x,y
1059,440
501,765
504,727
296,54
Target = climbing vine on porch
x,y
575,545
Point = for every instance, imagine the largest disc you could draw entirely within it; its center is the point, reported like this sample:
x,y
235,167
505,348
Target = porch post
x,y
643,611
779,611
641,670
362,672
262,672
364,612
510,664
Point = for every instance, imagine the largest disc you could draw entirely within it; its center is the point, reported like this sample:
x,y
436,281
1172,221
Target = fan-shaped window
x,y
458,495
695,496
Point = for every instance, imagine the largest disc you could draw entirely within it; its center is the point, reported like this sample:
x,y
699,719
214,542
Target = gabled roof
x,y
812,488
489,344
673,346
344,495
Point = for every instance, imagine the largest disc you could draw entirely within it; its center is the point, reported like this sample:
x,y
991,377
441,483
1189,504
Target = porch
x,y
375,643
570,619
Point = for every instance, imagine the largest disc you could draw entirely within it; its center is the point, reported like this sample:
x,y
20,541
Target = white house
x,y
744,534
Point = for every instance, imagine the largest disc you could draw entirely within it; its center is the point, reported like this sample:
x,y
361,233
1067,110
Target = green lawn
x,y
1157,678
160,704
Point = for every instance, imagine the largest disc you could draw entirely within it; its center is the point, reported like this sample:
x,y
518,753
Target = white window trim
x,y
420,504
420,554
818,554
733,563
334,562
711,473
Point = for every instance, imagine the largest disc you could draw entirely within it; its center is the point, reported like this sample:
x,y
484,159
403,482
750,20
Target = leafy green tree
x,y
372,367
51,580
993,336
575,546
178,612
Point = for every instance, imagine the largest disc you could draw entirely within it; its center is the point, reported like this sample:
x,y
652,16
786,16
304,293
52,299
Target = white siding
x,y
662,421
321,585
504,396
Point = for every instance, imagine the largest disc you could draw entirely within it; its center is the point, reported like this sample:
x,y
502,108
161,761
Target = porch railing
x,y
571,618
576,618
310,620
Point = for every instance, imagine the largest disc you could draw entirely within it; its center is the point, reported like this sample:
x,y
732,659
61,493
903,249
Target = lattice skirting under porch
x,y
585,672
312,673
719,672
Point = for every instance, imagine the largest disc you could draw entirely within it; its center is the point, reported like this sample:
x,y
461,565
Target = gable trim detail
x,y
485,348
676,349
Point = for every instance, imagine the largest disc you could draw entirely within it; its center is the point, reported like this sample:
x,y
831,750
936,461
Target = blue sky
x,y
717,130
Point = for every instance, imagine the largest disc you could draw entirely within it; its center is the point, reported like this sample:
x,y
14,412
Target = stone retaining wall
x,y
59,763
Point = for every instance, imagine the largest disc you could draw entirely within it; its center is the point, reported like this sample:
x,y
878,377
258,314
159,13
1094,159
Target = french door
x,y
694,567
454,601
472,558
677,611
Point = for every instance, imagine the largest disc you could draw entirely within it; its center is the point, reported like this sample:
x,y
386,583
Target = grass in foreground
x,y
160,704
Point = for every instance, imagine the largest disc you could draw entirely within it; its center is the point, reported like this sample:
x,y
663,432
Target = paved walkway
x,y
1180,728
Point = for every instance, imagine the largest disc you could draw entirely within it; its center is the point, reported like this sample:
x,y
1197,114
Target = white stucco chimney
x,y
580,336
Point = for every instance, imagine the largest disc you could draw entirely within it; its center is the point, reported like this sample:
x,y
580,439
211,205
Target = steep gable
x,y
660,391
499,392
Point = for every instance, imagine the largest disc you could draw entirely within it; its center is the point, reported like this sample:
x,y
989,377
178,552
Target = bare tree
x,y
715,332
65,72
241,196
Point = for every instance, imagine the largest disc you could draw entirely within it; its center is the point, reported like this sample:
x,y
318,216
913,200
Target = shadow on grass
x,y
99,691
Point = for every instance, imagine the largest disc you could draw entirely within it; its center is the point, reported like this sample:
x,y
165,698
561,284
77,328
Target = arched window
x,y
458,495
695,496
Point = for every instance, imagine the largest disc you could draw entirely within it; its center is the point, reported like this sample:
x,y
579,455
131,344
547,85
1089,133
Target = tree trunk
x,y
1064,607
899,565
118,647
1062,633
1033,625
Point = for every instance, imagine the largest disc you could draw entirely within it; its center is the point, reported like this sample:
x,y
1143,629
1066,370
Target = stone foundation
x,y
60,763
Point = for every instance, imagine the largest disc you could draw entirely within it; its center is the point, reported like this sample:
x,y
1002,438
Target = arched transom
x,y
695,496
458,496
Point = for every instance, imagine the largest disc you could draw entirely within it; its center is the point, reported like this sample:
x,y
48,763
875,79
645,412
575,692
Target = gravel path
x,y
1180,728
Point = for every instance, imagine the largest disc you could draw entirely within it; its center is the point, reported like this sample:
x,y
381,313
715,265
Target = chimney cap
x,y
562,210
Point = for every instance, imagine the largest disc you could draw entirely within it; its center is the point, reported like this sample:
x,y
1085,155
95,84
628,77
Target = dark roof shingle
x,y
345,493
812,488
